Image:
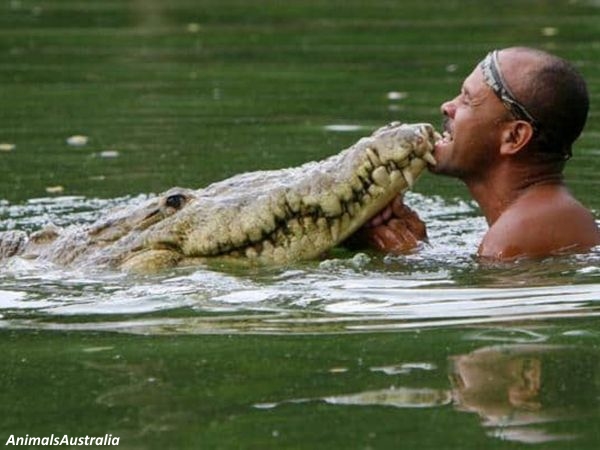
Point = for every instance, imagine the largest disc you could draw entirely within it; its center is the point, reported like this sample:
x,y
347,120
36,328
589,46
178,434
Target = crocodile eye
x,y
175,201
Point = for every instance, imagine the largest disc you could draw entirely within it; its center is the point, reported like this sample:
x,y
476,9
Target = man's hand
x,y
397,229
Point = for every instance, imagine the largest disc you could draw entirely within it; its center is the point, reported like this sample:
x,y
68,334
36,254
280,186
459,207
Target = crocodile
x,y
265,217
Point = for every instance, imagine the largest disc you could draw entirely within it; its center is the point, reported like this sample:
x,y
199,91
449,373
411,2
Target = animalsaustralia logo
x,y
65,439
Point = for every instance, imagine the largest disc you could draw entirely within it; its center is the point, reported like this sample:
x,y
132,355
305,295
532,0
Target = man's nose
x,y
448,109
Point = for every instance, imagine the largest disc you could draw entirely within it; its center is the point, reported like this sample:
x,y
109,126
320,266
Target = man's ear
x,y
515,136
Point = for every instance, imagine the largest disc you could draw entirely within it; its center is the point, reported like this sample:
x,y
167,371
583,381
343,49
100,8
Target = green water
x,y
429,351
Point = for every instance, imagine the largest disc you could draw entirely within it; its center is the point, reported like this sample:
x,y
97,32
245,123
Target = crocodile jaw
x,y
277,217
380,167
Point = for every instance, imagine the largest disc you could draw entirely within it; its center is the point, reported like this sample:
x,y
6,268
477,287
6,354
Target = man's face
x,y
472,130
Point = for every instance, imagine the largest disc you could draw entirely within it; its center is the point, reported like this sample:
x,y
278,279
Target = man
x,y
507,136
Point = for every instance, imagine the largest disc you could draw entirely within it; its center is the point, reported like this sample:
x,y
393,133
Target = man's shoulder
x,y
540,225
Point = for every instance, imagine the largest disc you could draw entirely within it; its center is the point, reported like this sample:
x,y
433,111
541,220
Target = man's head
x,y
517,101
551,91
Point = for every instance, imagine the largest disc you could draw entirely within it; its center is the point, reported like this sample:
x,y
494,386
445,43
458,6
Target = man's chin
x,y
442,146
441,152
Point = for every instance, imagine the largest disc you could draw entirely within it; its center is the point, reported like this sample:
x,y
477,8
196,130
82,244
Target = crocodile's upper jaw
x,y
292,214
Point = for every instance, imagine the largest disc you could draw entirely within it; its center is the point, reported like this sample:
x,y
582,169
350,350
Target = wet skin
x,y
529,210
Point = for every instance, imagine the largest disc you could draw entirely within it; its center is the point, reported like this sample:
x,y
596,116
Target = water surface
x,y
359,350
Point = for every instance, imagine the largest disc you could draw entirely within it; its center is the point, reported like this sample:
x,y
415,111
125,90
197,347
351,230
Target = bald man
x,y
507,136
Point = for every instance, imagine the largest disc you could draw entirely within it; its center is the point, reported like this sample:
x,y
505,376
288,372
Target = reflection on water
x,y
523,393
521,390
398,397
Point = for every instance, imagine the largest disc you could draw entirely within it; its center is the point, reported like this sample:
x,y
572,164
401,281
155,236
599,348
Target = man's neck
x,y
500,188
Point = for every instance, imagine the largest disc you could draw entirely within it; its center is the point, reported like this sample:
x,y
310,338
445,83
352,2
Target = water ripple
x,y
441,285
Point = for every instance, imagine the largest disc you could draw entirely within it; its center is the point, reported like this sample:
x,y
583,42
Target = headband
x,y
494,79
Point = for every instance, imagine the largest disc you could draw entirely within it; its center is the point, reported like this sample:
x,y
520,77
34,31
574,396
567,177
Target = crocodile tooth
x,y
408,176
417,165
351,208
375,190
334,227
280,254
362,172
235,232
310,200
295,227
267,248
355,183
322,225
403,154
395,176
278,209
365,182
331,206
293,201
251,252
303,244
268,223
403,163
428,157
279,238
344,191
381,176
345,222
309,225
321,241
373,156
252,236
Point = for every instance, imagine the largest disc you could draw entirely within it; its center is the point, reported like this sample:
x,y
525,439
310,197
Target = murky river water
x,y
430,350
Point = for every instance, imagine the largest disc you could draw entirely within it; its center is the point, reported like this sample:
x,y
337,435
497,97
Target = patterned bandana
x,y
493,78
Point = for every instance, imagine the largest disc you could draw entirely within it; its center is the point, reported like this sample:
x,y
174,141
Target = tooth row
x,y
329,212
